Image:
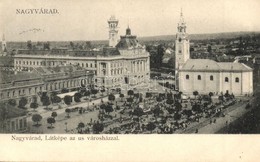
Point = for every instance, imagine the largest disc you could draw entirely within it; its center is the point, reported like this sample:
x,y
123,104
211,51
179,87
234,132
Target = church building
x,y
205,75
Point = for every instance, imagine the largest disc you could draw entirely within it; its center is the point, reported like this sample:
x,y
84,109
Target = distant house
x,y
12,120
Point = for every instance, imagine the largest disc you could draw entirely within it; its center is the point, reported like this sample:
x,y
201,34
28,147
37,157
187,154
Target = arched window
x,y
187,77
199,77
226,79
237,79
211,77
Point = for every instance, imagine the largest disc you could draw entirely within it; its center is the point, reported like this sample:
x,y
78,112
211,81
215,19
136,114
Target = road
x,y
231,113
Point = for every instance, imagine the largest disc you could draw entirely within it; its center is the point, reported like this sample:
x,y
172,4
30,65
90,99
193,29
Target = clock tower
x,y
182,47
113,31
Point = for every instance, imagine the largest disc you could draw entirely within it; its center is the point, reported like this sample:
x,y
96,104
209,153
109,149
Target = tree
x,y
88,45
150,126
148,95
55,99
45,100
178,106
12,102
54,114
94,92
111,97
103,106
159,99
77,97
227,95
130,100
122,96
97,128
221,98
87,93
68,112
64,90
177,116
46,45
67,100
210,95
196,108
34,105
51,120
157,111
196,93
102,91
169,95
109,109
138,112
81,125
169,101
170,110
72,45
36,118
29,44
23,101
130,93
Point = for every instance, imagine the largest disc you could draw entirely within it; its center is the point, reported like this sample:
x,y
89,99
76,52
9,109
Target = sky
x,y
87,20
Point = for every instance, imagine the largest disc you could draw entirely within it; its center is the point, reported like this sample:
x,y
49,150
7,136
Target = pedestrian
x,y
197,131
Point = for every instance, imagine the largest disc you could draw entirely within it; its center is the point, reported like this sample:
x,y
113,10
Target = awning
x,y
67,94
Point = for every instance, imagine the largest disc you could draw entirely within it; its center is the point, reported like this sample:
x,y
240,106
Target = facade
x,y
204,75
42,79
14,120
126,63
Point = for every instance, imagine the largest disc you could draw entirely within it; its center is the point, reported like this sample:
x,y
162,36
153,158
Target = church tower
x,y
4,50
182,47
113,31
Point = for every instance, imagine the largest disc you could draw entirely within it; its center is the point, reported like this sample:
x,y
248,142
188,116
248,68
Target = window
x,y
226,79
24,122
187,77
211,77
82,65
91,65
20,124
86,64
237,79
199,77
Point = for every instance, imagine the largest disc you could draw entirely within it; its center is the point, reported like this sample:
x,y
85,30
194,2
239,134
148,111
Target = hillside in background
x,y
228,35
193,37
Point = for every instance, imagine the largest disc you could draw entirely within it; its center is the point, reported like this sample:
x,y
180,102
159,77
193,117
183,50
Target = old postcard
x,y
100,74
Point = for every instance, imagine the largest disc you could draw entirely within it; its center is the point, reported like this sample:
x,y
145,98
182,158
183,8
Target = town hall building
x,y
124,62
205,75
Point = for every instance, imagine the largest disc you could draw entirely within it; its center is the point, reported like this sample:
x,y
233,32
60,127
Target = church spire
x,y
181,24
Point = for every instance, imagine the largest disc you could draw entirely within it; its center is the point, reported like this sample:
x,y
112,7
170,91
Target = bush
x,y
23,101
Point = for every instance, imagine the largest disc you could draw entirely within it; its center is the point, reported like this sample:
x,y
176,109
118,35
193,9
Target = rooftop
x,y
11,112
211,65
